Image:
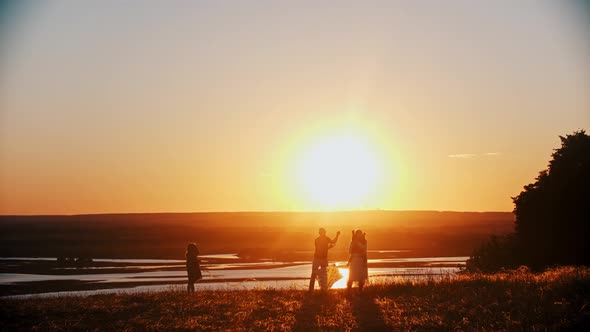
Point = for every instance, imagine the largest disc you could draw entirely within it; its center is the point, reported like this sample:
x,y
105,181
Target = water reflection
x,y
236,275
340,284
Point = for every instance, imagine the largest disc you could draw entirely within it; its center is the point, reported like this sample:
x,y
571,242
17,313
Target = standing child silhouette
x,y
193,267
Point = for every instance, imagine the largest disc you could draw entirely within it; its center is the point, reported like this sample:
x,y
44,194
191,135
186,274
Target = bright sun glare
x,y
338,172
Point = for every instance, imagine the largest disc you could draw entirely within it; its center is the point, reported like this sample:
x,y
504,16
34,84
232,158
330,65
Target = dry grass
x,y
514,301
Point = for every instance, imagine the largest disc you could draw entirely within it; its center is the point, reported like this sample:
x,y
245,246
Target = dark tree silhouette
x,y
552,215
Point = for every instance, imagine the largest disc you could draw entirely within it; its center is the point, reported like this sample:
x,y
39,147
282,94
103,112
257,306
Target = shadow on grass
x,y
306,317
367,313
330,311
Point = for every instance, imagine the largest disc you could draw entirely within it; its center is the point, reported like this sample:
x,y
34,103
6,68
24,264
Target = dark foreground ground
x,y
558,299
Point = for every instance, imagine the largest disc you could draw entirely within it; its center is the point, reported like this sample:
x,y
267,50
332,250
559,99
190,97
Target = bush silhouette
x,y
552,215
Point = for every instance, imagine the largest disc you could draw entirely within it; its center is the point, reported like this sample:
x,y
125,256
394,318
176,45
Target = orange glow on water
x,y
340,284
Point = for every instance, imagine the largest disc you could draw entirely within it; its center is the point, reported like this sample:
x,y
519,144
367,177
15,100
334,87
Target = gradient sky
x,y
147,106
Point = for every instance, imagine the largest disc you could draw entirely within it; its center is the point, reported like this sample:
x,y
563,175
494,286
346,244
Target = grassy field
x,y
558,299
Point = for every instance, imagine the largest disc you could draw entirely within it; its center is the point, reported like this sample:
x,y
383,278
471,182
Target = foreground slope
x,y
518,300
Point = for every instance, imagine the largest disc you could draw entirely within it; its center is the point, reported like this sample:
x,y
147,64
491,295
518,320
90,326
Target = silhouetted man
x,y
320,258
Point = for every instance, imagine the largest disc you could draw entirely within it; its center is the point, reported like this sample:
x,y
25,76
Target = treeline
x,y
552,225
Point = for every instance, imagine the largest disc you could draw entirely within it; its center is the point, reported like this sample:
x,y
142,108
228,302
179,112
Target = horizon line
x,y
241,211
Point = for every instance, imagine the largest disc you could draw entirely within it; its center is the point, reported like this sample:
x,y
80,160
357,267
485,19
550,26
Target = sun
x,y
338,172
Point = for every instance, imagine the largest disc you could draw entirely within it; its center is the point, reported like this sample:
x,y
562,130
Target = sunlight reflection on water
x,y
340,284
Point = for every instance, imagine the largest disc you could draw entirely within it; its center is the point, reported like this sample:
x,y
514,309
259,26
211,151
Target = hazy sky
x,y
145,106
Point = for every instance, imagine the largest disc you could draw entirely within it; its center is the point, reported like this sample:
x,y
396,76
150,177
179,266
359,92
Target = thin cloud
x,y
474,155
462,155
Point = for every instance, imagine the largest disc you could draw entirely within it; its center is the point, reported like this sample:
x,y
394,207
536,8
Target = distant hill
x,y
165,235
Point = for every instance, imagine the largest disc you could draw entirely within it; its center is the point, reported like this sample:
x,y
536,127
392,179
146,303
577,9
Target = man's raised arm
x,y
336,238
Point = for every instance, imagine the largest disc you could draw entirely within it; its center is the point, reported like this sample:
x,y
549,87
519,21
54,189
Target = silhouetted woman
x,y
357,263
193,268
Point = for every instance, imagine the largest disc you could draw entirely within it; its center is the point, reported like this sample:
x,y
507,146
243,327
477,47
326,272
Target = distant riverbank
x,y
517,300
48,276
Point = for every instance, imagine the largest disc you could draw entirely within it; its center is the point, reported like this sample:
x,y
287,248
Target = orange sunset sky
x,y
152,106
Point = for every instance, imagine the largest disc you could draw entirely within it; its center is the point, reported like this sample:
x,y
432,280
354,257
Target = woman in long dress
x,y
357,263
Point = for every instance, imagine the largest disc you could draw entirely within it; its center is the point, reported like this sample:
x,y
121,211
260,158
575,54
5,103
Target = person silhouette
x,y
320,259
193,267
357,263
